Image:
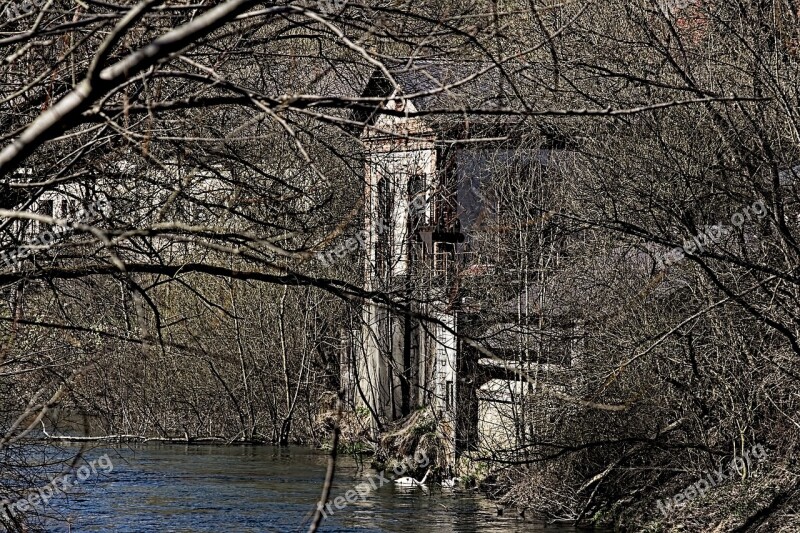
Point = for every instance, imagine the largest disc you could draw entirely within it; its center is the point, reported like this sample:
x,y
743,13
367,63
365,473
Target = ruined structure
x,y
424,201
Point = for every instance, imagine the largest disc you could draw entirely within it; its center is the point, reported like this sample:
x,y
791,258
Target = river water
x,y
257,489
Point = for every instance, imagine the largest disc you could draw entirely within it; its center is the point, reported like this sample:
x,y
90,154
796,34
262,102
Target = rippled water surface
x,y
232,489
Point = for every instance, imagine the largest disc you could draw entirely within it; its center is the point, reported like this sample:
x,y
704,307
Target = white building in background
x,y
69,204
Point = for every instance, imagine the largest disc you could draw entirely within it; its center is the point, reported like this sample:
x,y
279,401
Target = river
x,y
256,489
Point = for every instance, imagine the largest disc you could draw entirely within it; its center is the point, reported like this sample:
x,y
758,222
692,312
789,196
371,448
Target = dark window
x,y
384,212
385,202
448,395
416,200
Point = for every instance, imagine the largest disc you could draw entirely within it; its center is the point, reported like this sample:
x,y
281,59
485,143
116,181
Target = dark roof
x,y
443,85
449,84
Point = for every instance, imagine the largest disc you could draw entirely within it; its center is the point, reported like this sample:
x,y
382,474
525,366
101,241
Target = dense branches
x,y
227,143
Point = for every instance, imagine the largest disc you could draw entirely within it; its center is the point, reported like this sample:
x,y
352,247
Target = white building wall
x,y
392,162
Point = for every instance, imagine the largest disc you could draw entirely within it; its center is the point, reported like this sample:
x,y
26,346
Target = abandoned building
x,y
426,202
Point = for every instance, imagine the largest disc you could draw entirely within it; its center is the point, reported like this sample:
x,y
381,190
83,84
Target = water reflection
x,y
249,489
